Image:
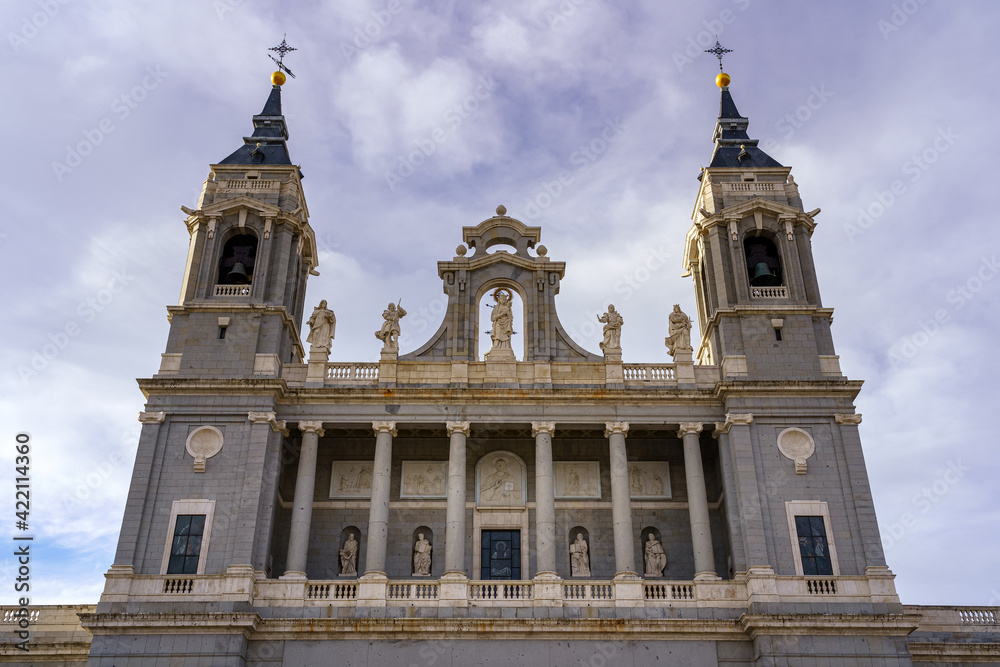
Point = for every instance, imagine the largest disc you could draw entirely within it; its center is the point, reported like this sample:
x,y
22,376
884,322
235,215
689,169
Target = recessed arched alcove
x,y
488,305
763,261
239,255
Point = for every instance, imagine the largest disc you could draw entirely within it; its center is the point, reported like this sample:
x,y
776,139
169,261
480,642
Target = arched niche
x,y
238,258
346,566
763,260
487,308
654,555
422,559
579,552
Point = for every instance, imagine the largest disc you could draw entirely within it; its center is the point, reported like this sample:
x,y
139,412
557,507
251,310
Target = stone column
x,y
454,555
701,532
545,503
621,501
302,503
378,516
141,479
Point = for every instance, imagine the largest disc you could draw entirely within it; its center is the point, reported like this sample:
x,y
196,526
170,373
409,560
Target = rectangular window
x,y
813,547
185,549
501,554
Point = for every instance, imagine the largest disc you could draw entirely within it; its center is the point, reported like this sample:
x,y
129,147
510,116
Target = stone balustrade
x,y
769,292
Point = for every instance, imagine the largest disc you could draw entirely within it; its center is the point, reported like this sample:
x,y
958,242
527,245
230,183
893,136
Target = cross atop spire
x,y
282,50
718,51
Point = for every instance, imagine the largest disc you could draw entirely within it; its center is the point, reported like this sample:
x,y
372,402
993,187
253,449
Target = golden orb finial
x,y
722,80
278,78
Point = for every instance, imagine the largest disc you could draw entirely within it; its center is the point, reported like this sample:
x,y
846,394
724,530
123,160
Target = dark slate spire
x,y
733,146
267,143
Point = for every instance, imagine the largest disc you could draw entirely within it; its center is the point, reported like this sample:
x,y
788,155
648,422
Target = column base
x,y
454,589
548,590
293,575
707,576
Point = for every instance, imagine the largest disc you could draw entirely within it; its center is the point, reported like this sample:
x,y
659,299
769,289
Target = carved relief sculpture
x,y
500,487
351,479
349,557
655,557
579,557
322,326
389,333
649,479
421,557
679,339
612,330
577,479
503,326
424,479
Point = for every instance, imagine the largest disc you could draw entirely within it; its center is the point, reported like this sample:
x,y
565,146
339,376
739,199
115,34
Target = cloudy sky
x,y
115,110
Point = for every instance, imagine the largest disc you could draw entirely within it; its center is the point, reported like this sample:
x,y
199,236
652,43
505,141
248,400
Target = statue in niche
x,y
322,325
503,325
500,487
655,557
679,339
579,559
612,330
389,333
349,556
422,557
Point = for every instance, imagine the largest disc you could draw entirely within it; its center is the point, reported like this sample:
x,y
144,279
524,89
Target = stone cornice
x,y
832,387
829,624
157,623
478,262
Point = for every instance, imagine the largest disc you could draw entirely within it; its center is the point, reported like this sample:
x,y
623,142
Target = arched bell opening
x,y
239,255
763,262
501,312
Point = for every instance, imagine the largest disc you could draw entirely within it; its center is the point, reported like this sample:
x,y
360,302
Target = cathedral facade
x,y
457,505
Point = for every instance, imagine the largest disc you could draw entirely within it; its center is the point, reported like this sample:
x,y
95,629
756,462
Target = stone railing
x,y
769,292
232,290
564,592
353,372
978,616
651,373
749,187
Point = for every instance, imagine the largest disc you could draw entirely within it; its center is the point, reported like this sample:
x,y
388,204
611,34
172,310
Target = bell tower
x,y
749,251
251,251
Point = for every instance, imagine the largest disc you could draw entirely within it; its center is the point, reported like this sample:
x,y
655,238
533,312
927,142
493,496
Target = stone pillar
x,y
621,501
454,555
378,516
545,503
305,485
701,532
141,479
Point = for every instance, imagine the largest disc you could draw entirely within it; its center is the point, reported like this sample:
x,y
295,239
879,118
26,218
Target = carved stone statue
x,y
422,557
655,557
500,487
503,326
389,333
322,325
679,339
349,556
579,559
612,330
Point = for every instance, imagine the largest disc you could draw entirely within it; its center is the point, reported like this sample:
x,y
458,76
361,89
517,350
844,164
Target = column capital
x,y
688,428
385,427
543,427
152,417
268,418
611,428
312,427
848,419
458,427
732,418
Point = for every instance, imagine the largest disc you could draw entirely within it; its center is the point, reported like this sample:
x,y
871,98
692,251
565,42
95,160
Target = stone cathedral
x,y
458,505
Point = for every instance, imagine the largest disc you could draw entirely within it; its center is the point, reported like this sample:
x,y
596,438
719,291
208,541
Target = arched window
x,y
763,262
239,256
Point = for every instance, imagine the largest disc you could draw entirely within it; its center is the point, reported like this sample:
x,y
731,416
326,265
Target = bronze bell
x,y
762,276
238,274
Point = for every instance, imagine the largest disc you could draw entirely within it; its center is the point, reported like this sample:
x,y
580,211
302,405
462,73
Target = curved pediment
x,y
502,229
